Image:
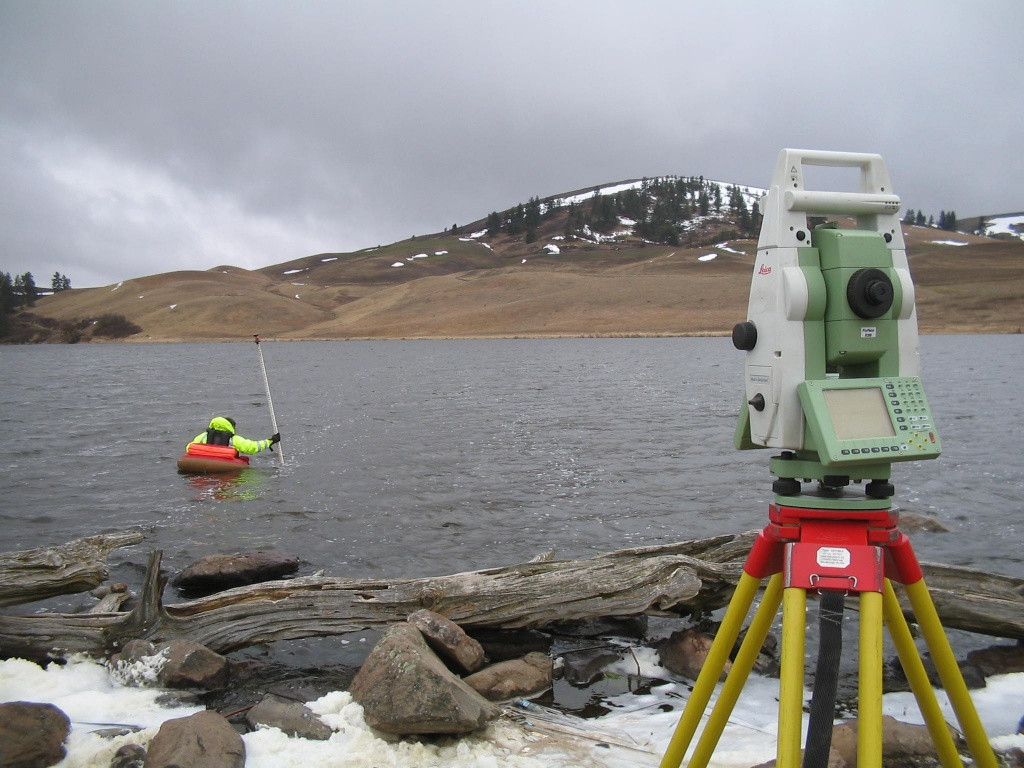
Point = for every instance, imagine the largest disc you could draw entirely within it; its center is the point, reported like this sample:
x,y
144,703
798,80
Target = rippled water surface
x,y
406,458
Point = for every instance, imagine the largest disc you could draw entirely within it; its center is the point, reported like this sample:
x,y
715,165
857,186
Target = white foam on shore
x,y
634,734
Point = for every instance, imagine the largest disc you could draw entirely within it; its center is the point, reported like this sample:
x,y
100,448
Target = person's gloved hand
x,y
274,438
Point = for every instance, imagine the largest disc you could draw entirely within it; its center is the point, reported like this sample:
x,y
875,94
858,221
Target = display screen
x,y
858,414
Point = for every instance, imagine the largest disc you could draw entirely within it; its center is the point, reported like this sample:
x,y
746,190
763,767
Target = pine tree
x,y
516,222
703,202
7,300
28,286
573,220
950,221
493,223
533,213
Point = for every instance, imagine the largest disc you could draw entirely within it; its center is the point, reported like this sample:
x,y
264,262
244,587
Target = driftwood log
x,y
78,566
674,579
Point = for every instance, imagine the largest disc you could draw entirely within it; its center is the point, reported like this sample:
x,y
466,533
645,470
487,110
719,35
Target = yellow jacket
x,y
239,443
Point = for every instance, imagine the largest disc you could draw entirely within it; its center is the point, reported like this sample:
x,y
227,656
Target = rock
x,y
191,665
584,666
602,626
405,689
834,761
291,717
514,678
448,640
504,644
202,740
217,572
900,741
914,521
134,650
129,756
998,659
116,731
1013,757
177,664
767,662
895,679
685,652
32,735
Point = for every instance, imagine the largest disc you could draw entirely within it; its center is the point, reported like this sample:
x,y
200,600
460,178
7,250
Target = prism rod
x,y
270,400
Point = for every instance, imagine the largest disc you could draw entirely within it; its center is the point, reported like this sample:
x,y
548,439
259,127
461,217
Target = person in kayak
x,y
222,432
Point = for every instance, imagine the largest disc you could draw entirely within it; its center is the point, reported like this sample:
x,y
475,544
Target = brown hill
x,y
455,285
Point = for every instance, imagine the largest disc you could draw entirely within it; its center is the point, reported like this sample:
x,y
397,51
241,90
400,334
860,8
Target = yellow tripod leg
x,y
791,677
920,685
949,674
760,625
714,665
869,691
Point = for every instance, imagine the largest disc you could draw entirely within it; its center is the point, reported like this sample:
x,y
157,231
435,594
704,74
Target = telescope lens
x,y
870,293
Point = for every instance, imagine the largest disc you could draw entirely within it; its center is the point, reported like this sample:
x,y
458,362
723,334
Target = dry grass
x,y
474,291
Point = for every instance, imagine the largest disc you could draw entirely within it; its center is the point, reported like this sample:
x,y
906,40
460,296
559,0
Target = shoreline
x,y
945,331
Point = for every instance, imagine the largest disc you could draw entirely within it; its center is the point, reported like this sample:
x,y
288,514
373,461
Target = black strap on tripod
x,y
826,679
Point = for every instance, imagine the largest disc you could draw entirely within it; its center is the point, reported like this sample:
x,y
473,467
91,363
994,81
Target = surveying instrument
x,y
831,381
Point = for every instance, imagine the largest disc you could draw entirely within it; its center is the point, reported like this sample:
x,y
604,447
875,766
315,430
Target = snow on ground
x,y
554,250
612,190
634,734
725,247
292,271
708,257
398,264
329,258
1005,225
949,242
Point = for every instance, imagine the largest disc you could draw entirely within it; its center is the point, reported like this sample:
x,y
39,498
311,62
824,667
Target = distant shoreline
x,y
949,331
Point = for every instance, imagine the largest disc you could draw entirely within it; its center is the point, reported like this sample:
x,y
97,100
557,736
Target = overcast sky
x,y
144,137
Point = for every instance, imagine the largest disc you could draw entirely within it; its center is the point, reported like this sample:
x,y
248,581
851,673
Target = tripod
x,y
852,551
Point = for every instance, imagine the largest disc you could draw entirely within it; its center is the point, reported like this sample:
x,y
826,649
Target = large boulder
x,y
191,665
685,653
511,679
217,572
405,689
129,756
32,735
998,659
291,717
586,665
900,742
202,740
448,640
181,664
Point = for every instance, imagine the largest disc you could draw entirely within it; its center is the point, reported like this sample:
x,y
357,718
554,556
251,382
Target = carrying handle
x,y
788,202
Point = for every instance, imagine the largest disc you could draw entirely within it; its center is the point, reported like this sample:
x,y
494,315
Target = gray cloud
x,y
138,138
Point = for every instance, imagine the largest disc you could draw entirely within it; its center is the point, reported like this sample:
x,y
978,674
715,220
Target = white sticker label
x,y
833,557
868,332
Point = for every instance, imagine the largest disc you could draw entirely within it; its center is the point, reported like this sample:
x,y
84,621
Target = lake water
x,y
415,458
